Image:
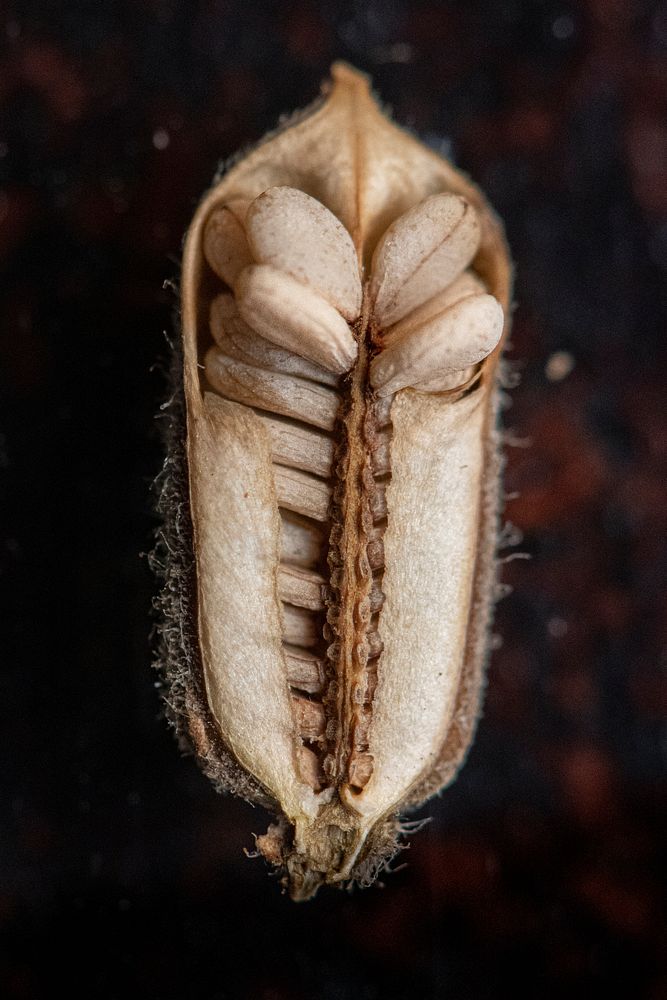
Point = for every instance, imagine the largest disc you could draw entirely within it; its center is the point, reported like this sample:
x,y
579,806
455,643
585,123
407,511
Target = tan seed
x,y
301,587
461,336
421,253
225,242
296,233
287,395
302,493
295,317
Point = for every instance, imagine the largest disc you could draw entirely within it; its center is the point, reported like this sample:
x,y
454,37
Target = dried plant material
x,y
293,316
421,253
332,524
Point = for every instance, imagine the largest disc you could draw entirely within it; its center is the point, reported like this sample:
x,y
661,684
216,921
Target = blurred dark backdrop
x,y
121,872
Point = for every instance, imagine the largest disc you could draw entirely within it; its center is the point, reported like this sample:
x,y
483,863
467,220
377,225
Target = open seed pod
x,y
331,499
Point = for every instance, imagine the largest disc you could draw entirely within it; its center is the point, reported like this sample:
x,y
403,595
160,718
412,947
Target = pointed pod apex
x,y
343,72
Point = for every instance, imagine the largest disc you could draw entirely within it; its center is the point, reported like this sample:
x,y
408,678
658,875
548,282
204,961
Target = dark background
x,y
121,872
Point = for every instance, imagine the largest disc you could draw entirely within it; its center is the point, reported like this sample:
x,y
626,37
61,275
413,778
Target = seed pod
x,y
329,550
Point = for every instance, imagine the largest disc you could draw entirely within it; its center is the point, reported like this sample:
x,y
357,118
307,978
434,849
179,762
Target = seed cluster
x,y
292,343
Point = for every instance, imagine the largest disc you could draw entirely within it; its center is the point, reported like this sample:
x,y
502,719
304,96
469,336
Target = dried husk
x,y
222,640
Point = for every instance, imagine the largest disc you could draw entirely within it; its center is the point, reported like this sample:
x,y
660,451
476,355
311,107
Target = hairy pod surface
x,y
331,492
